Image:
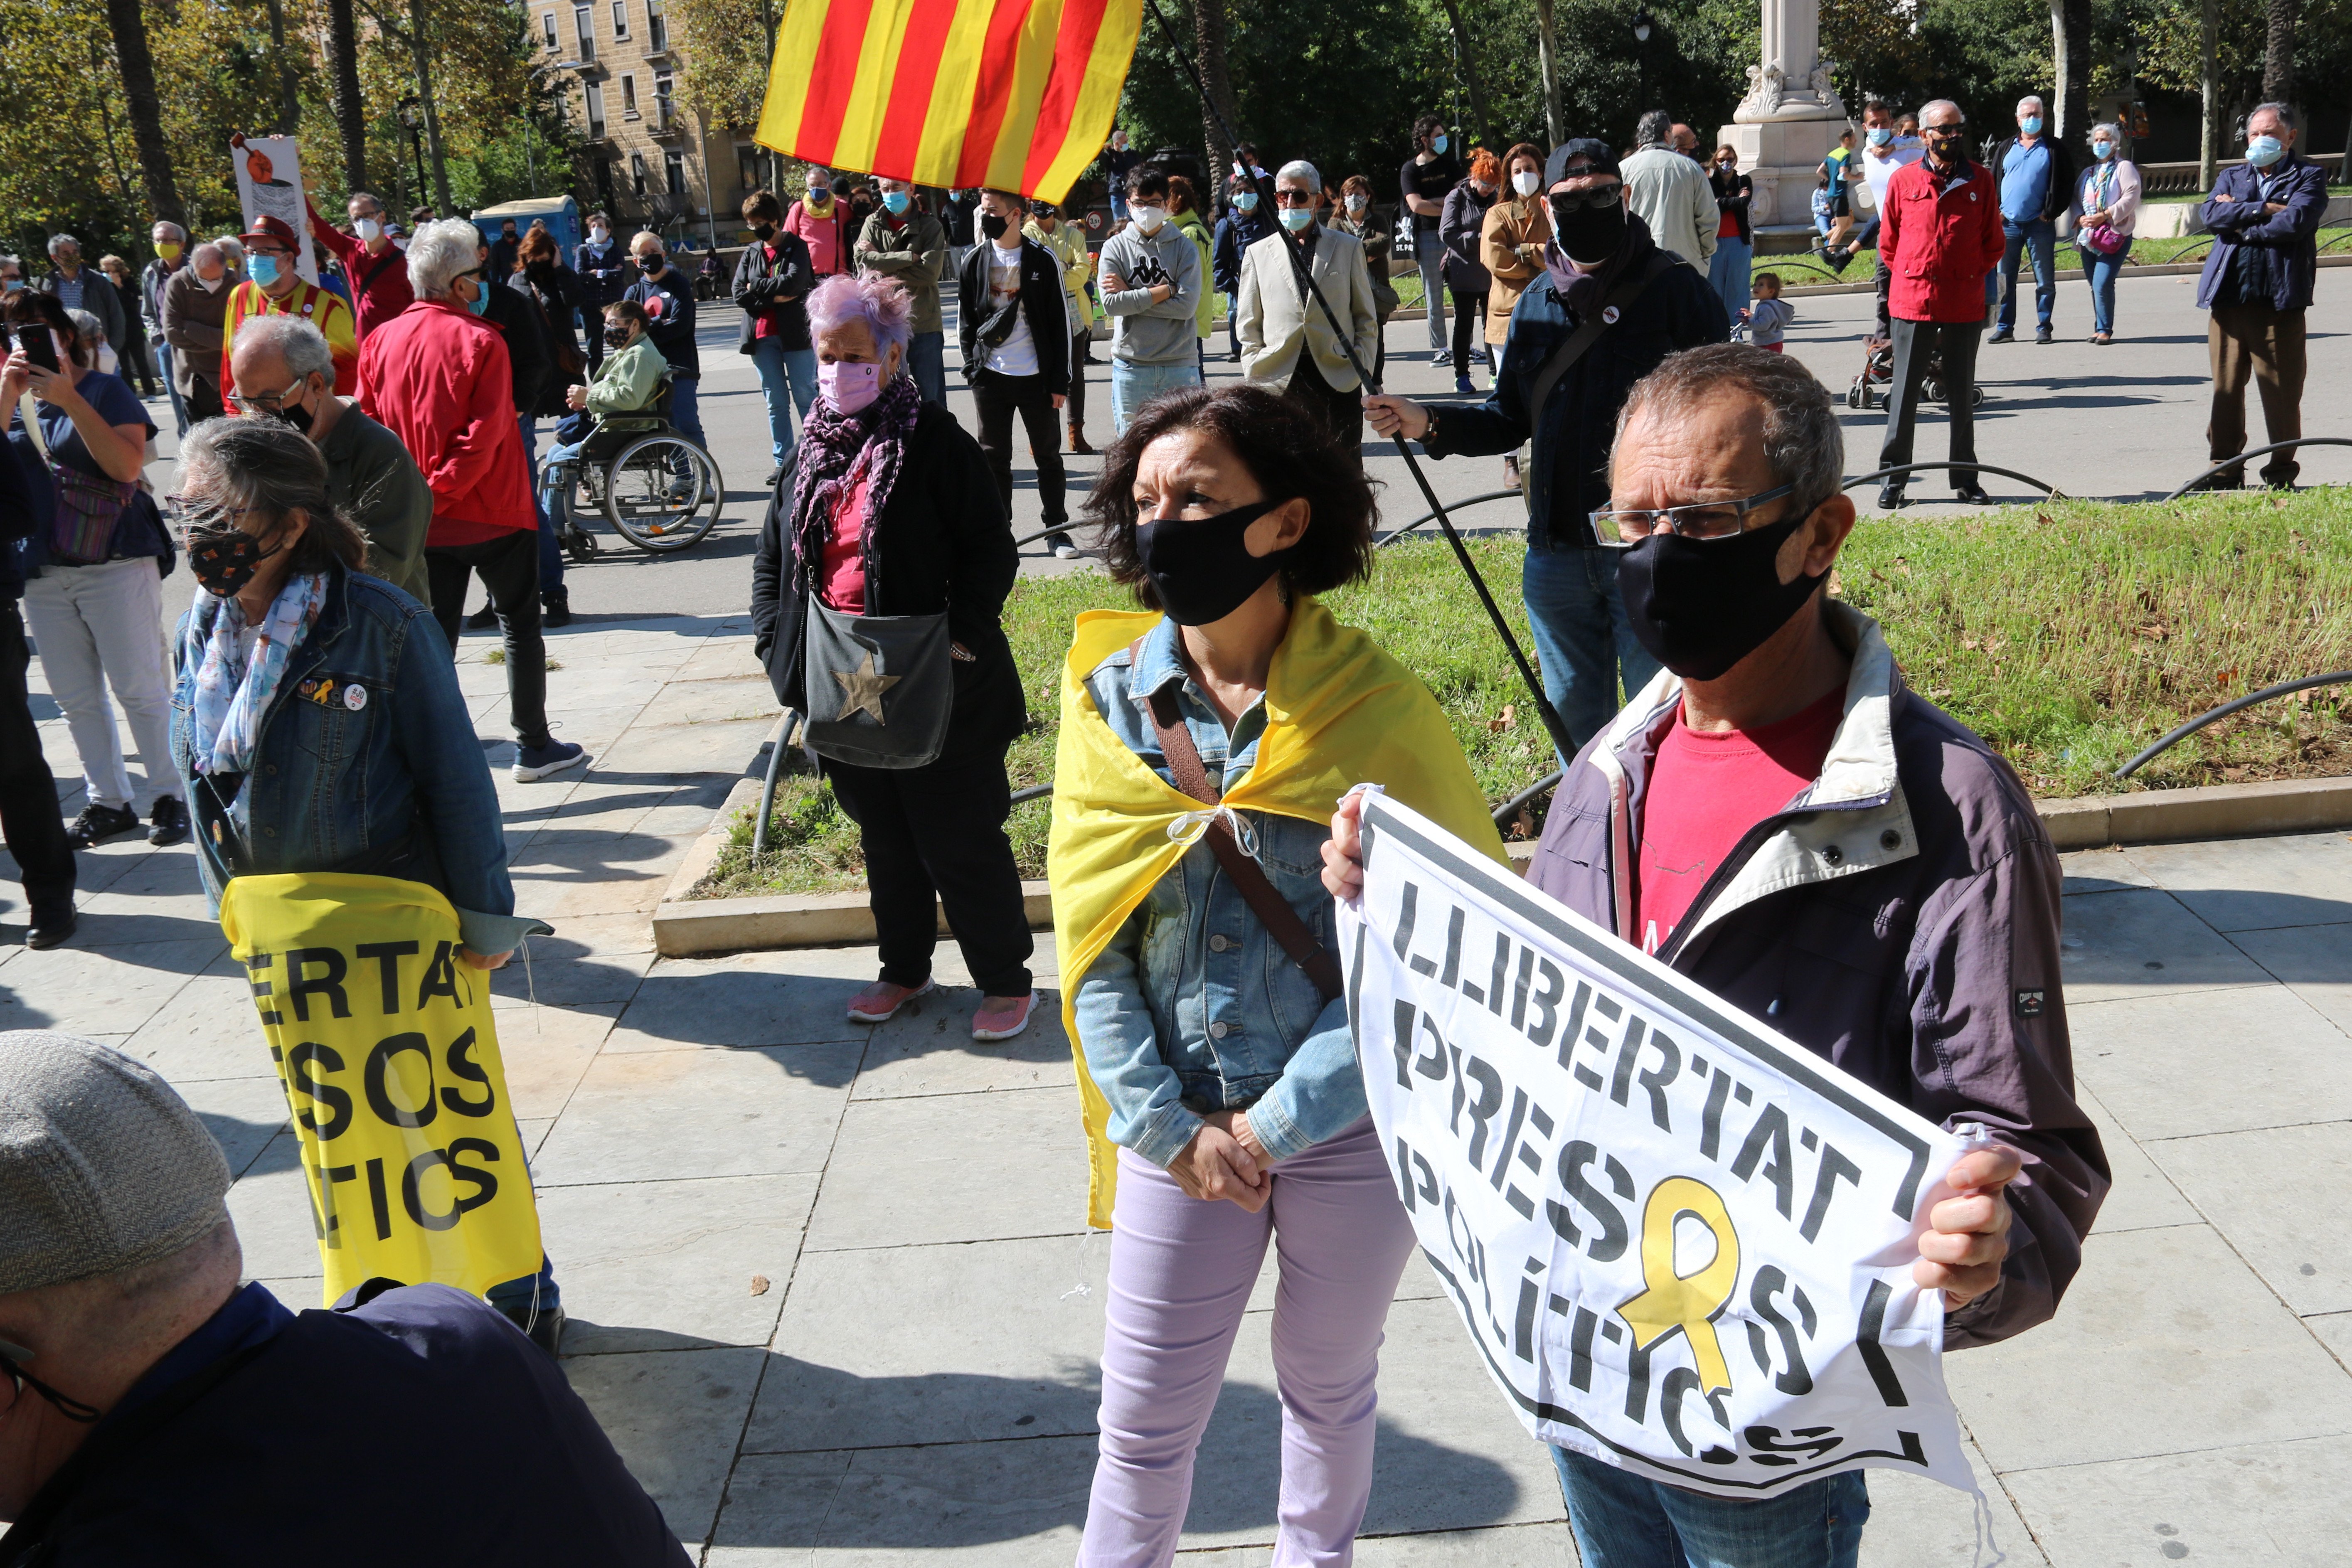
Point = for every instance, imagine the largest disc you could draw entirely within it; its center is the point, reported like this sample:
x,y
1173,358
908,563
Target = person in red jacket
x,y
1939,236
437,376
377,267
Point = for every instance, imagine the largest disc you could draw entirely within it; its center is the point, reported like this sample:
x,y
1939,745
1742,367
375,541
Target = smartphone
x,y
39,346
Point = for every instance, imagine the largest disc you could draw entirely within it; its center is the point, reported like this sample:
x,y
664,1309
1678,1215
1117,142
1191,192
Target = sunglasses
x,y
1578,201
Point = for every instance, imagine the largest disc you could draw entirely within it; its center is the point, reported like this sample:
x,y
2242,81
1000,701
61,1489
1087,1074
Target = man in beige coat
x,y
1669,191
1275,316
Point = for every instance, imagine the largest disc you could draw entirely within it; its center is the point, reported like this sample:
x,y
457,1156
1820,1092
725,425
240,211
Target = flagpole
x,y
1301,263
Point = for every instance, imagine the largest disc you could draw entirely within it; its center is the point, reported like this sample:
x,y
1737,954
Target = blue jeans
x,y
514,1297
1583,644
927,361
179,407
550,549
1133,385
788,380
684,413
2040,236
1727,272
553,481
1624,1520
2102,271
1429,255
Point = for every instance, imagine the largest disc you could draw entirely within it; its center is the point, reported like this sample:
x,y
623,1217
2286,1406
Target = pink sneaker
x,y
1001,1018
879,1001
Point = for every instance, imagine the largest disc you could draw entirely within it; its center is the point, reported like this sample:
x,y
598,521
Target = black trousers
x,y
1469,328
934,838
1914,342
205,400
510,569
1342,413
28,791
998,399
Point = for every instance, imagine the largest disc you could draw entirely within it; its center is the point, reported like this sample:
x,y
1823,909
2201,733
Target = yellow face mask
x,y
169,250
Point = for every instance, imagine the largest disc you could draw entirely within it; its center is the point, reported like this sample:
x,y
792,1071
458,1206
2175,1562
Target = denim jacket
x,y
1193,1008
377,771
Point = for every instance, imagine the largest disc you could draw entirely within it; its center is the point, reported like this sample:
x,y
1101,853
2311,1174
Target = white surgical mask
x,y
2264,151
1526,181
368,229
212,285
598,234
1358,201
1297,218
1148,219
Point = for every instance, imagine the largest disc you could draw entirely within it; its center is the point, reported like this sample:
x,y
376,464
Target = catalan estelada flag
x,y
1016,94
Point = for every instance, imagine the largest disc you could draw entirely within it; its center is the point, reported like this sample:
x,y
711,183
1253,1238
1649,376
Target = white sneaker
x,y
1067,551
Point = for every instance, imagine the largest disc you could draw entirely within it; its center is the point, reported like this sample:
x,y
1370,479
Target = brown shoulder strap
x,y
1273,910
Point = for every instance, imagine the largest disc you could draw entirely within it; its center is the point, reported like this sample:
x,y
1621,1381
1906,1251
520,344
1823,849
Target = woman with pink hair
x,y
875,598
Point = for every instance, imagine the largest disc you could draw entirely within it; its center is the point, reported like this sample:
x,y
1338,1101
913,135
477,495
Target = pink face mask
x,y
848,386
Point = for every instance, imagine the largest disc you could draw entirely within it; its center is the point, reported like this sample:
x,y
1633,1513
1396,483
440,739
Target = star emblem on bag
x,y
862,690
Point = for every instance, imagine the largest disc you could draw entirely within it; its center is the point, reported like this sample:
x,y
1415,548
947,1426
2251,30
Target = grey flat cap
x,y
102,1165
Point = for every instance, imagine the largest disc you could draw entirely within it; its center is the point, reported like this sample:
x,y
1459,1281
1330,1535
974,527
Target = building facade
x,y
651,163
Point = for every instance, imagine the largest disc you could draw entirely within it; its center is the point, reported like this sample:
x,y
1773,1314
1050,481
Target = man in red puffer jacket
x,y
1940,236
437,376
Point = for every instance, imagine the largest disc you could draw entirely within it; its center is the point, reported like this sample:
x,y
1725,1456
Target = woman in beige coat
x,y
1512,243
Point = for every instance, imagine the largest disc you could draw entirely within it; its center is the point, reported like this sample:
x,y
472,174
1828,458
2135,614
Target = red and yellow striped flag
x,y
1016,94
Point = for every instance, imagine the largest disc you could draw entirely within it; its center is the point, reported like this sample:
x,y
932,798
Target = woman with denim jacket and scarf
x,y
888,510
316,718
1218,1078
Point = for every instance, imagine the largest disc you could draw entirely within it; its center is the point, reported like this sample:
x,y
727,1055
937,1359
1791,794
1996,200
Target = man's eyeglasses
x,y
19,1380
261,401
1622,528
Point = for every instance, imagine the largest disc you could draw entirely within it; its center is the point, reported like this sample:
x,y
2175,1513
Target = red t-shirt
x,y
1707,788
764,322
841,575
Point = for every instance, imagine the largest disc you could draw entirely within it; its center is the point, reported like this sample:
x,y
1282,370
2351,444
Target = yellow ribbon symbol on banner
x,y
1678,1301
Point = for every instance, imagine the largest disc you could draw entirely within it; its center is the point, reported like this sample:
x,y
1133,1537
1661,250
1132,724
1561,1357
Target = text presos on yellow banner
x,y
1681,1243
385,1048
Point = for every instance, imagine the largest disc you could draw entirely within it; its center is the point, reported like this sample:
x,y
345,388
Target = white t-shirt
x,y
1017,355
1877,171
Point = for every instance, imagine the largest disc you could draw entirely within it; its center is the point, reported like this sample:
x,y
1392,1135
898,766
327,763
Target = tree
x,y
1209,53
2070,34
351,109
1465,51
141,107
2278,52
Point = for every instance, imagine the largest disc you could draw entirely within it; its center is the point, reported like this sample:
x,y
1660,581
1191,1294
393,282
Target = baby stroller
x,y
1871,387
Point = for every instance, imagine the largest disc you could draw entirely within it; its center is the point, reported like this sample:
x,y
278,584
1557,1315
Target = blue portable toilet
x,y
559,214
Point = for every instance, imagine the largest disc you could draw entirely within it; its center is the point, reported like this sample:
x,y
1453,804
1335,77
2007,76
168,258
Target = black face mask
x,y
298,417
1588,234
616,337
225,562
1701,606
1199,567
764,230
1947,149
651,266
991,225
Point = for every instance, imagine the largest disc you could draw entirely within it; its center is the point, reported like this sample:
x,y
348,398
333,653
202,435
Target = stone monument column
x,y
1790,119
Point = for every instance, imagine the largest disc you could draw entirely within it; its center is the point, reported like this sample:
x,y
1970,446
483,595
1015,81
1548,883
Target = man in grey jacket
x,y
901,241
1151,282
1670,192
195,302
83,288
1780,819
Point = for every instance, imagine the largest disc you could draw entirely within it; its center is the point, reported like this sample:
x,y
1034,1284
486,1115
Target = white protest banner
x,y
1681,1243
269,185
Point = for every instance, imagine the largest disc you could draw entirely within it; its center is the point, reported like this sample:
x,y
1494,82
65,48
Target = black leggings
x,y
1469,328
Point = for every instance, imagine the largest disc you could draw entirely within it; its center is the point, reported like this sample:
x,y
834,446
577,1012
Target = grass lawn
x,y
2068,634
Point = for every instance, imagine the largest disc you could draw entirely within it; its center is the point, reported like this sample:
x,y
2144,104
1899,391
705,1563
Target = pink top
x,y
841,575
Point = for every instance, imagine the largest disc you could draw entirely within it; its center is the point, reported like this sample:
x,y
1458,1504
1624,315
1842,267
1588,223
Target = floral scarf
x,y
233,692
838,453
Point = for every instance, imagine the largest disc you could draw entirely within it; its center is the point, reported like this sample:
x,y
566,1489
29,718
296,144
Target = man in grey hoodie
x,y
1150,284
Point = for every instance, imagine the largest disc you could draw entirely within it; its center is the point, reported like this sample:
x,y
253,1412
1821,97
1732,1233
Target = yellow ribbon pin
x,y
1690,1302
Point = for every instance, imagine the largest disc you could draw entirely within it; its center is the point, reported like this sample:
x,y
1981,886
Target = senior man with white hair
x,y
84,289
195,306
1782,819
153,1410
2034,173
438,376
1286,341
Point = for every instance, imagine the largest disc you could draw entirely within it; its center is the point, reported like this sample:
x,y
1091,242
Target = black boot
x,y
555,608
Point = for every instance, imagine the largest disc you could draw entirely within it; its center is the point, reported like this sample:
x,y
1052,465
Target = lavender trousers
x,y
1180,1275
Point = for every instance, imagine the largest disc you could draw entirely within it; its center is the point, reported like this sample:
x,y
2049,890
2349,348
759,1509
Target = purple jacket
x,y
1899,918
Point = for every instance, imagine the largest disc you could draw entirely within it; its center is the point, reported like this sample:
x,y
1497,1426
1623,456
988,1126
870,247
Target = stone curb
x,y
2069,275
687,928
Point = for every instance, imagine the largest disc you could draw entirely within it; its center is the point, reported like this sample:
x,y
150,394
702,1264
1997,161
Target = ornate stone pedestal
x,y
1792,115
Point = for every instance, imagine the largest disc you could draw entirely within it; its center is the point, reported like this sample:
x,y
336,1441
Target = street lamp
x,y
1643,23
413,122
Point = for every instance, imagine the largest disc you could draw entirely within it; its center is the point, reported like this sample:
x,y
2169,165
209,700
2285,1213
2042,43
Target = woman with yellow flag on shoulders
x,y
1204,744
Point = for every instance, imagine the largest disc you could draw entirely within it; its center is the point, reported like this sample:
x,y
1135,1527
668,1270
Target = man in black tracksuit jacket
x,y
1015,327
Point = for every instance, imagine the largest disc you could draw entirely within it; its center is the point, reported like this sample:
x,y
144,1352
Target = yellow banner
x,y
385,1048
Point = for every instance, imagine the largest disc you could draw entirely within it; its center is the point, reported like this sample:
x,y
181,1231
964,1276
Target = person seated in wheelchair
x,y
622,400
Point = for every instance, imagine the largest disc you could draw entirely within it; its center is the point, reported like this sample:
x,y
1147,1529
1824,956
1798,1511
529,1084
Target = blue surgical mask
x,y
1247,200
264,270
1438,142
1880,135
2030,125
1297,218
482,297
2103,150
2264,151
897,201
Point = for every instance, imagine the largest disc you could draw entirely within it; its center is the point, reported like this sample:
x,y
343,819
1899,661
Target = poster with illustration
x,y
269,185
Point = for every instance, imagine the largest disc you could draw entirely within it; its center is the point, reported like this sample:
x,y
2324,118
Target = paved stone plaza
x,y
830,1288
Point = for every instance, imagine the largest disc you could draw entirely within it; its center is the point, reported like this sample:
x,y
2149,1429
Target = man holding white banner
x,y
1714,1273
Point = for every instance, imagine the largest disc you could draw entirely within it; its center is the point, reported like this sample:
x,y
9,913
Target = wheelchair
x,y
659,489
